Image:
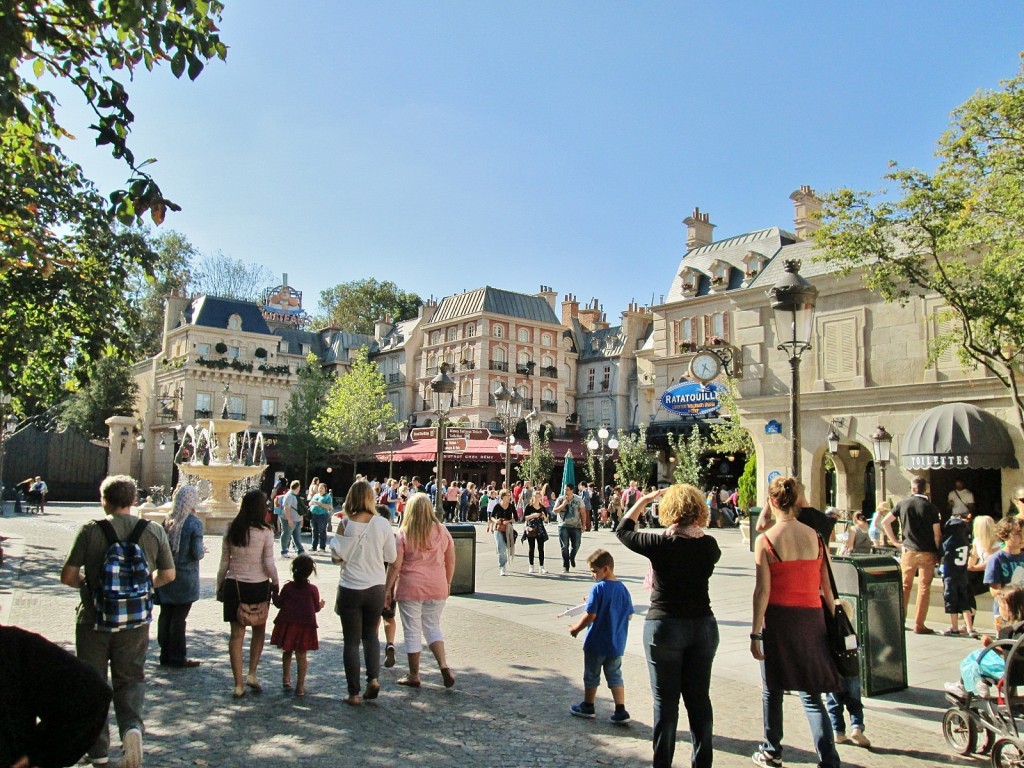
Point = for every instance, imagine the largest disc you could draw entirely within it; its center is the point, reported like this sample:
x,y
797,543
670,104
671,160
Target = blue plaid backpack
x,y
124,598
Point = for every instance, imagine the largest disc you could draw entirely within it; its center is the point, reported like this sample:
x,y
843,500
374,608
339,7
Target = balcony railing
x,y
523,369
467,365
605,384
499,365
268,420
527,403
431,370
549,371
494,426
238,416
550,406
394,378
201,414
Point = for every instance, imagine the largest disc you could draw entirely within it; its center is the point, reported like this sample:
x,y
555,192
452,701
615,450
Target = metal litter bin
x,y
873,584
464,579
752,514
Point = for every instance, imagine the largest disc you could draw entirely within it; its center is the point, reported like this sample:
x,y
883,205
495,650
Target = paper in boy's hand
x,y
574,611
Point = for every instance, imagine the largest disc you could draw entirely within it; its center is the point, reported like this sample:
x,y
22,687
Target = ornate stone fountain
x,y
224,454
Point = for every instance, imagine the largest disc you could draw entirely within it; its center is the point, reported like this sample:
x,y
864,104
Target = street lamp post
x,y
443,387
383,430
509,408
602,435
792,300
7,428
883,444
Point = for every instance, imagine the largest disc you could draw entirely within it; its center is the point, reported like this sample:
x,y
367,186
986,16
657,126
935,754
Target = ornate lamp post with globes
x,y
793,299
443,387
602,436
510,407
383,430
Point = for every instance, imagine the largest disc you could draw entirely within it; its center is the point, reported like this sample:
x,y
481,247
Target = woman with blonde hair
x,y
788,633
185,534
680,631
875,530
422,578
986,543
365,543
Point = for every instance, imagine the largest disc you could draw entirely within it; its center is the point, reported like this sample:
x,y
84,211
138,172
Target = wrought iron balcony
x,y
499,365
550,406
268,419
201,414
549,371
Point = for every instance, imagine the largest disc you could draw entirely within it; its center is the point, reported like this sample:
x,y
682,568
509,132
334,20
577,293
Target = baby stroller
x,y
998,717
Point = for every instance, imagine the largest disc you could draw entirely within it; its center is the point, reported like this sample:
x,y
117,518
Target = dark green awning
x,y
957,436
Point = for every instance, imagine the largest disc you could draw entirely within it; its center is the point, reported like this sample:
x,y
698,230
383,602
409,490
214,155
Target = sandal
x,y
353,700
372,690
286,686
448,677
300,692
409,681
238,692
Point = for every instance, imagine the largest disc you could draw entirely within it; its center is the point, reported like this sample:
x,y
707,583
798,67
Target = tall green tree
x,y
95,47
688,453
538,466
300,448
356,404
634,459
728,435
957,233
172,271
110,392
356,305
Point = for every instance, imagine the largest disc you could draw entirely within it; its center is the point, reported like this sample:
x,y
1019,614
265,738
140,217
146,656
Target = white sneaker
x,y
531,569
857,737
131,745
501,571
543,570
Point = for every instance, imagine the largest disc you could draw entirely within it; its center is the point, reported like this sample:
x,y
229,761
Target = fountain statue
x,y
224,454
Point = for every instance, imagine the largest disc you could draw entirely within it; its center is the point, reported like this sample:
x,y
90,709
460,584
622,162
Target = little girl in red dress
x,y
295,625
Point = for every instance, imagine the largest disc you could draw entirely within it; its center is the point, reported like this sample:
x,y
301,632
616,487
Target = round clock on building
x,y
705,366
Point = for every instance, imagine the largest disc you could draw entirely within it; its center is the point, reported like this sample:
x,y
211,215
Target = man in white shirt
x,y
961,500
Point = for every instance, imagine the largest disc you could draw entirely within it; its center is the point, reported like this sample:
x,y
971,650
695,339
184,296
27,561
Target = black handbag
x,y
842,639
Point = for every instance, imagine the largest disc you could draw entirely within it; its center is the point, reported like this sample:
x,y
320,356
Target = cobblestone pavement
x,y
517,670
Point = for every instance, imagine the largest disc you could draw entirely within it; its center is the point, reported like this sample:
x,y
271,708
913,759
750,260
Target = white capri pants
x,y
421,619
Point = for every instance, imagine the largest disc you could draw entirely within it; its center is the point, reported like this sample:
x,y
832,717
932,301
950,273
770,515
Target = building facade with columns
x,y
868,365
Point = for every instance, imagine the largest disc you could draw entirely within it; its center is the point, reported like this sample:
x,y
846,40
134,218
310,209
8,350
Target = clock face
x,y
705,366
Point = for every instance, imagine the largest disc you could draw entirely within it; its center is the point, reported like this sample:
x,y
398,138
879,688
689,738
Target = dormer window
x,y
690,281
235,323
719,274
753,264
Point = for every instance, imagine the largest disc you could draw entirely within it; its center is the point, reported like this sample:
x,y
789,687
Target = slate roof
x,y
399,335
340,346
496,301
609,343
213,312
293,337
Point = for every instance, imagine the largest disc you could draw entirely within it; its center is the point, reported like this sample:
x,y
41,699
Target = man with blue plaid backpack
x,y
116,563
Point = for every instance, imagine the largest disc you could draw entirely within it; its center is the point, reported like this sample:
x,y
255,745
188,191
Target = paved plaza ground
x,y
517,670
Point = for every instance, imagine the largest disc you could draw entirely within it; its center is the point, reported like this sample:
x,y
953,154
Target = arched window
x,y
471,330
523,357
498,331
547,361
435,337
545,339
500,355
524,335
235,323
453,333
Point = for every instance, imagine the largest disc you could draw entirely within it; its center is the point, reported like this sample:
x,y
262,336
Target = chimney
x,y
174,305
808,209
382,328
570,310
699,229
590,317
549,295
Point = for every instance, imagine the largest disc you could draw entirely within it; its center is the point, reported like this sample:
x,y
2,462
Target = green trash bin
x,y
464,578
873,585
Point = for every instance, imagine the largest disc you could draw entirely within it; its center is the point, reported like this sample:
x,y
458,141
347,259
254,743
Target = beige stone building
x,y
867,366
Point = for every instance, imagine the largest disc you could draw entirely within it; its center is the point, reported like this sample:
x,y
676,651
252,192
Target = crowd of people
x,y
122,565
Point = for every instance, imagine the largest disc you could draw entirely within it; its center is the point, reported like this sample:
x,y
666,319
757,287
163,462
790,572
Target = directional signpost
x,y
455,445
452,433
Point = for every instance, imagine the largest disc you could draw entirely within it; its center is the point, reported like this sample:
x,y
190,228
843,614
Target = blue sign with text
x,y
773,428
691,398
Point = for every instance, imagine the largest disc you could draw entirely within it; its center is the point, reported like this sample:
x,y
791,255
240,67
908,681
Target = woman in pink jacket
x,y
423,572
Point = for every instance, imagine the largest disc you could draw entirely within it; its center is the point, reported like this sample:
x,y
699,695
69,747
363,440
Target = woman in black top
x,y
502,515
680,633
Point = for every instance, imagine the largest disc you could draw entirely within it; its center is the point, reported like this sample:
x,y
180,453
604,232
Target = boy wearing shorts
x,y
957,595
608,609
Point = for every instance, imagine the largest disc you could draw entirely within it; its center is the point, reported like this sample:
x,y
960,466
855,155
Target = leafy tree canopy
x,y
356,404
171,272
219,275
688,452
299,447
957,233
634,459
538,466
84,44
356,305
110,392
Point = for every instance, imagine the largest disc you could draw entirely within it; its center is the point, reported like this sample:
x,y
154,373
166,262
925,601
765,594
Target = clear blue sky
x,y
449,145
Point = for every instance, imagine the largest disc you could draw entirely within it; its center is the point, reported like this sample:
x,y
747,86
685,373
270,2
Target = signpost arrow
x,y
468,433
455,445
424,433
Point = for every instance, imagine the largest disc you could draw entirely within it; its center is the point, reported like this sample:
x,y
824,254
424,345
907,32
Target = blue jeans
x,y
570,541
849,697
291,532
499,537
817,718
319,523
680,653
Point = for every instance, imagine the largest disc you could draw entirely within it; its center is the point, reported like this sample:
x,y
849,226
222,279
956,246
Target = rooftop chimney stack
x,y
699,229
806,217
549,294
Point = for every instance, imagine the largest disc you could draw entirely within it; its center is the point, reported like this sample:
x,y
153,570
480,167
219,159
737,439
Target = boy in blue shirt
x,y
608,609
1007,565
